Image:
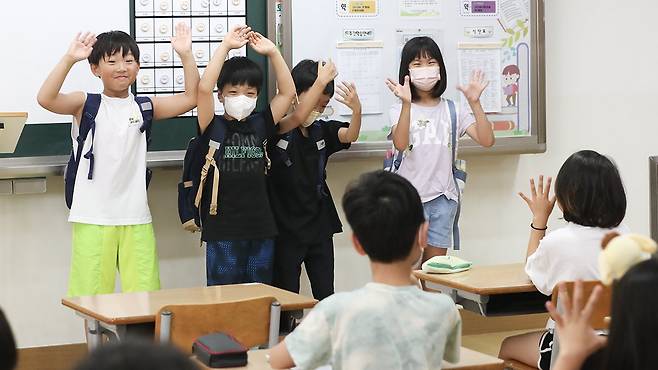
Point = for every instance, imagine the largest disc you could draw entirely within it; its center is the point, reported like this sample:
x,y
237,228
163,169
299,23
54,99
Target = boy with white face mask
x,y
421,129
239,233
302,204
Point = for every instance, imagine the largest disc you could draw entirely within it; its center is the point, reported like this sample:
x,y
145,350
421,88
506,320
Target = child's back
x,y
379,326
567,254
591,196
390,323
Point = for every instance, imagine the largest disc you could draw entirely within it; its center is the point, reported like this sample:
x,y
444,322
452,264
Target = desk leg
x,y
93,332
275,317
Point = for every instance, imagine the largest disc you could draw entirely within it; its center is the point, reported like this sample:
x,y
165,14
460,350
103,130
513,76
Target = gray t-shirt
x,y
378,327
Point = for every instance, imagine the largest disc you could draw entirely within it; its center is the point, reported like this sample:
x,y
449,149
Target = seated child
x,y
389,323
591,196
632,338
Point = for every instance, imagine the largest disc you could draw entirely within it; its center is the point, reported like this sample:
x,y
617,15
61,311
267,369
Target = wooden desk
x,y
470,360
490,290
118,313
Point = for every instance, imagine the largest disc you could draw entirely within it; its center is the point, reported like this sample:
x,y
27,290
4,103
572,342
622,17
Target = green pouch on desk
x,y
446,265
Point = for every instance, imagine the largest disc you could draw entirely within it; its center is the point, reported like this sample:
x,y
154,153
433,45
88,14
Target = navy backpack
x,y
87,125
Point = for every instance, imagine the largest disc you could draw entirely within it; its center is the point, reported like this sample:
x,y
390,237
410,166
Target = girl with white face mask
x,y
421,130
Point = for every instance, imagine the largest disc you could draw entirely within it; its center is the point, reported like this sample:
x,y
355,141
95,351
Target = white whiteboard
x,y
316,29
34,36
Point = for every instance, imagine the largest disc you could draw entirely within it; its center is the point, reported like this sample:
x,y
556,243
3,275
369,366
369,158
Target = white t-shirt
x,y
378,327
116,195
428,165
567,254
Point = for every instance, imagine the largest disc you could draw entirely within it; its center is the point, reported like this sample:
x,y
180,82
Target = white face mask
x,y
311,118
424,78
240,106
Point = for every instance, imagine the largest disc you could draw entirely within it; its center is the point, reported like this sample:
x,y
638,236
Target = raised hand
x,y
473,90
182,42
237,37
401,91
348,96
326,72
262,45
540,204
81,46
577,338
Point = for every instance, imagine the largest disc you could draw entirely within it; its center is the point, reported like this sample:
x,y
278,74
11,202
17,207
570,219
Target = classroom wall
x,y
600,95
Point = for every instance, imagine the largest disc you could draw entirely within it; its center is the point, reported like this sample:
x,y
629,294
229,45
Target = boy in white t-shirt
x,y
110,214
389,323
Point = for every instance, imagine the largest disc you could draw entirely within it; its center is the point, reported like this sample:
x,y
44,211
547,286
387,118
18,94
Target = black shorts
x,y
545,350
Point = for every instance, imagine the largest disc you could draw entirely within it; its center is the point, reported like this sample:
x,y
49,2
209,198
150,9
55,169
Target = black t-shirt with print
x,y
243,210
301,215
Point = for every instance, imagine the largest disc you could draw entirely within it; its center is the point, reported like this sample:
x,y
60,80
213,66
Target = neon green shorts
x,y
98,251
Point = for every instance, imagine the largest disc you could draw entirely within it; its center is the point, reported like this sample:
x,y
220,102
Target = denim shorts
x,y
440,213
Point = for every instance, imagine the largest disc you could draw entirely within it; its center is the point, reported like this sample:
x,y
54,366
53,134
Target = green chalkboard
x,y
54,139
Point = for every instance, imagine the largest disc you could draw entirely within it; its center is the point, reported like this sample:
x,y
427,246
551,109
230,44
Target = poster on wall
x,y
357,8
410,9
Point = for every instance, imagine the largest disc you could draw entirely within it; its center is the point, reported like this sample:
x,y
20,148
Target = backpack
x,y
204,151
393,160
317,135
87,125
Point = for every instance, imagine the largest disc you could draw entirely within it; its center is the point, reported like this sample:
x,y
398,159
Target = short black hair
x,y
108,43
632,340
8,355
590,191
136,355
418,47
240,71
305,73
385,212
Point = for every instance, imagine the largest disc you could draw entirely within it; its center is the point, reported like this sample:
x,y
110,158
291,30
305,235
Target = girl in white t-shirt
x,y
421,129
591,196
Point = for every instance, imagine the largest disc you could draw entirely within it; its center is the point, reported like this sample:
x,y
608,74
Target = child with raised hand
x,y
591,196
421,130
301,201
631,342
112,224
238,226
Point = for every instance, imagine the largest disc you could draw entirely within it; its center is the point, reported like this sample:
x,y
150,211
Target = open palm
x,y
473,90
81,46
262,45
402,91
182,42
237,37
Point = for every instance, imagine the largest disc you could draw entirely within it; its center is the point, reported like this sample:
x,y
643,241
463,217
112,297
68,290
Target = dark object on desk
x,y
220,350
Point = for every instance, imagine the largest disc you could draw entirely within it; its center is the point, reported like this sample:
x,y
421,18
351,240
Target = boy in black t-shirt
x,y
303,208
238,225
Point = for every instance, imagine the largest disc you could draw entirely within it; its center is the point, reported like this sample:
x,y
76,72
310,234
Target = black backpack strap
x,y
88,124
282,147
146,108
316,133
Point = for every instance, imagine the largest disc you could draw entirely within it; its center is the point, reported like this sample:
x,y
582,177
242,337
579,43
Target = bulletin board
x,y
504,38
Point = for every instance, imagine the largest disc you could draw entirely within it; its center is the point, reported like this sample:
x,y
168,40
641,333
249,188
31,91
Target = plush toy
x,y
621,252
